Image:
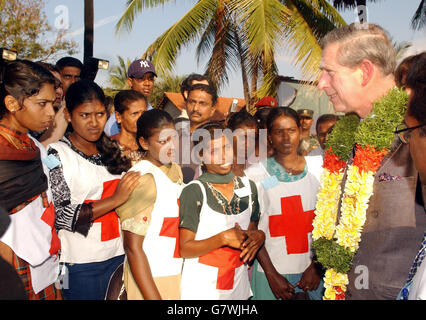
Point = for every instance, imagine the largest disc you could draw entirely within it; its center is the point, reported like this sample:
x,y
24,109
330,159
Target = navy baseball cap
x,y
139,67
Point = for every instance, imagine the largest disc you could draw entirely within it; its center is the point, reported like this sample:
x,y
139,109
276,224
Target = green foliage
x,y
342,139
24,28
332,255
244,34
118,74
387,113
165,84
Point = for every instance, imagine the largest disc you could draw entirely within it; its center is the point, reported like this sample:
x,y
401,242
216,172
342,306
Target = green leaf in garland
x,y
332,255
342,139
387,113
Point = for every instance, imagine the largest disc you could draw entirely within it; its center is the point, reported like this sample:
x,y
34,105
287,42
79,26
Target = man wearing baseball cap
x,y
308,141
140,77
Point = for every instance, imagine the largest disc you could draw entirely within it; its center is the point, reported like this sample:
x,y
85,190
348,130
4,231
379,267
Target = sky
x,y
393,15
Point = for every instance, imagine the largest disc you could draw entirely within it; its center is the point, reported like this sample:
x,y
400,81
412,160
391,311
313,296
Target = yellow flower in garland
x,y
326,210
336,245
335,285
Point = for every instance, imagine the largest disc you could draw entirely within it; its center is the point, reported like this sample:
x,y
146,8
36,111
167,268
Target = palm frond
x,y
164,50
419,19
134,7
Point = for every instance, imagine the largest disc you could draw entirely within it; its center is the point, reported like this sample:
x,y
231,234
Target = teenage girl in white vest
x,y
288,184
86,168
149,219
218,225
30,244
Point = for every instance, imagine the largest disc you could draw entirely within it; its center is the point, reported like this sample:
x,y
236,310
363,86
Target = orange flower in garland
x,y
332,162
367,159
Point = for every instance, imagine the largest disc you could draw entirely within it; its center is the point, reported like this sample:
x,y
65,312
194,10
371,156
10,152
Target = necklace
x,y
227,208
335,246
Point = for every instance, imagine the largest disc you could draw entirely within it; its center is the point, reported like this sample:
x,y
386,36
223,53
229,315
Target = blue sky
x,y
393,15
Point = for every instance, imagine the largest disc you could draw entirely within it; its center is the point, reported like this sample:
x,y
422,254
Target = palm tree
x,y
118,74
242,33
166,83
88,29
419,19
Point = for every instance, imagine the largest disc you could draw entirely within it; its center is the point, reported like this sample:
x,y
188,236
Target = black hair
x,y
416,81
125,97
260,117
69,62
21,79
404,67
210,127
281,111
326,118
48,66
187,82
150,120
237,119
208,89
84,91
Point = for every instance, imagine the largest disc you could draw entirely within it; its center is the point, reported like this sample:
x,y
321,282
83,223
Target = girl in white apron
x,y
86,168
287,184
30,244
218,222
149,219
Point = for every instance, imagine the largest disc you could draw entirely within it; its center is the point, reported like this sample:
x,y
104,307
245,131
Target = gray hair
x,y
363,41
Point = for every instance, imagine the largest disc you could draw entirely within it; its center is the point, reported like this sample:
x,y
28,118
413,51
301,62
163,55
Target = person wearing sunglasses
x,y
413,133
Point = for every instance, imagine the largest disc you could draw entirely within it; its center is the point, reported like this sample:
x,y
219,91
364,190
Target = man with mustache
x,y
200,106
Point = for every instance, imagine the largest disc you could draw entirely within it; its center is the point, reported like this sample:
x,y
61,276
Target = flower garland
x,y
335,246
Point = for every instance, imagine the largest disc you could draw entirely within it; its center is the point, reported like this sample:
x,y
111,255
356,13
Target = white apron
x,y
219,274
32,236
287,213
161,242
88,183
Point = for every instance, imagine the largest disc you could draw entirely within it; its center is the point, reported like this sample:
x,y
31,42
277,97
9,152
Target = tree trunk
x,y
254,98
246,88
88,29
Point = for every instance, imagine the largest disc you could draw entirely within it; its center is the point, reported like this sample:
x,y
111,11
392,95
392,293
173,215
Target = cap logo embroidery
x,y
144,64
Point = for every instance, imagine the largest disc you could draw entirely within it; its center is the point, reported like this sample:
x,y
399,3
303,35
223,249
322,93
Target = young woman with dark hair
x,y
129,105
85,172
30,244
218,233
149,219
245,132
288,184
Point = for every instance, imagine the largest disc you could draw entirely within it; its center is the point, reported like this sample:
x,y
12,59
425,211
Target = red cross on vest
x,y
170,228
227,260
110,226
49,218
293,223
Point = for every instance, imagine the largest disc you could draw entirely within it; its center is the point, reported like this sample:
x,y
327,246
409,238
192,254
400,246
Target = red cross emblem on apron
x,y
293,223
110,226
227,260
49,218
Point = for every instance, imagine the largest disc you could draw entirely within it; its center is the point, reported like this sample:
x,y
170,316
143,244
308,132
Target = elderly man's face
x,y
342,85
417,146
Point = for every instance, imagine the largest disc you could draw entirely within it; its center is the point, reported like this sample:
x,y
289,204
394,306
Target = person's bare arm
x,y
191,248
139,265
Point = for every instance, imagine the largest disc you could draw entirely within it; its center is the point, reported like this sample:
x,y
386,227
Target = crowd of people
x,y
137,204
